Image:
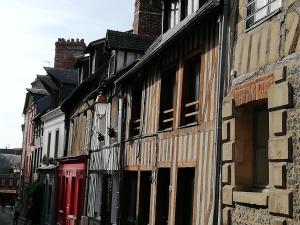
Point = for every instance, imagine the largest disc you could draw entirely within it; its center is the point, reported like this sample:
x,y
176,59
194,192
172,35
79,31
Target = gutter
x,y
221,77
207,7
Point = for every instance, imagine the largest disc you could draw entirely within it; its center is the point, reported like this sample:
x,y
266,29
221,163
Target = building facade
x,y
259,131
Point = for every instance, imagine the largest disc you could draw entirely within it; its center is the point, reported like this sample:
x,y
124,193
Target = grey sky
x,y
29,29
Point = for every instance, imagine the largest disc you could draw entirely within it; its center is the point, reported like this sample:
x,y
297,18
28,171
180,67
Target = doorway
x,y
162,196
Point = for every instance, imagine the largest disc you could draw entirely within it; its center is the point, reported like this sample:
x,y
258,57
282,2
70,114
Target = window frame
x,y
186,64
164,74
264,18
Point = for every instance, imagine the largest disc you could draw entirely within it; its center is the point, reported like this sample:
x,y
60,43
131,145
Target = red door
x,y
71,186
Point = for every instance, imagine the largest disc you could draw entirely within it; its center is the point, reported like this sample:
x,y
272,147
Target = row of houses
x,y
189,118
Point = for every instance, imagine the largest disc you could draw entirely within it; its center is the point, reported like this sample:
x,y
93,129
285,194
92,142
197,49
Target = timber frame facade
x,y
170,149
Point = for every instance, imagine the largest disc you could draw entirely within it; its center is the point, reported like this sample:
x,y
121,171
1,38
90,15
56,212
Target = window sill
x,y
188,125
252,198
165,130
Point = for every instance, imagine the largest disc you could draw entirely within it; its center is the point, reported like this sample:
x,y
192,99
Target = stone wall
x,y
269,50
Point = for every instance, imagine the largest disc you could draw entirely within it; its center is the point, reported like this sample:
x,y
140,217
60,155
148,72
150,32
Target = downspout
x,y
120,163
223,21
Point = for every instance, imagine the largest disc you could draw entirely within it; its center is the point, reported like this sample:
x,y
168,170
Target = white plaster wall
x,y
52,125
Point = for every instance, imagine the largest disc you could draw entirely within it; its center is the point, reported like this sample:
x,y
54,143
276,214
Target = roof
x,y
81,60
47,82
47,168
43,104
65,76
163,41
7,161
94,44
36,91
11,151
84,89
127,41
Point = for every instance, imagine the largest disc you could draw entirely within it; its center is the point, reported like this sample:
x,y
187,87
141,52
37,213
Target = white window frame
x,y
266,10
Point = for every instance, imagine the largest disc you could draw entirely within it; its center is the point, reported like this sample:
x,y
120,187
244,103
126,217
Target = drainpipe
x,y
120,127
222,66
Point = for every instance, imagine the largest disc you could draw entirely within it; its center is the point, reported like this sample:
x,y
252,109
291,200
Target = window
x,y
166,115
112,63
56,143
257,10
135,121
252,131
171,16
190,91
48,144
261,136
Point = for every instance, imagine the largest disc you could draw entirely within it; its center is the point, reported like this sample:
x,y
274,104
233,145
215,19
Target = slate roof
x,y
65,76
47,82
162,42
7,161
85,89
43,104
11,151
127,41
95,43
37,91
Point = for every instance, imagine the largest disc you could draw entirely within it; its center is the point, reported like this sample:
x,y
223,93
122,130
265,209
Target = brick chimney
x,y
67,51
147,18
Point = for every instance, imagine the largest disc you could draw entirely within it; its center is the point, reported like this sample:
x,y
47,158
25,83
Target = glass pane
x,y
190,7
275,5
176,12
261,3
261,14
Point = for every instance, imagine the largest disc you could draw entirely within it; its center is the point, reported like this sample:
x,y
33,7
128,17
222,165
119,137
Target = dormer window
x,y
259,10
171,13
112,63
177,10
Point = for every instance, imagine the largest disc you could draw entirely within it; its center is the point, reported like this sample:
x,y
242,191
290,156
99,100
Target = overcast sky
x,y
28,31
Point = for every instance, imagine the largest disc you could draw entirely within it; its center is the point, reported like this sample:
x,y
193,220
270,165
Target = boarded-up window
x,y
166,115
136,98
190,91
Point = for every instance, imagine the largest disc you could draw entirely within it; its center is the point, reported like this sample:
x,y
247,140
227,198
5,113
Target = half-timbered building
x,y
170,147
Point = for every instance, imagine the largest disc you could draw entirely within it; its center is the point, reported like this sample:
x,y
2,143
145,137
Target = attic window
x,y
258,10
171,12
112,63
